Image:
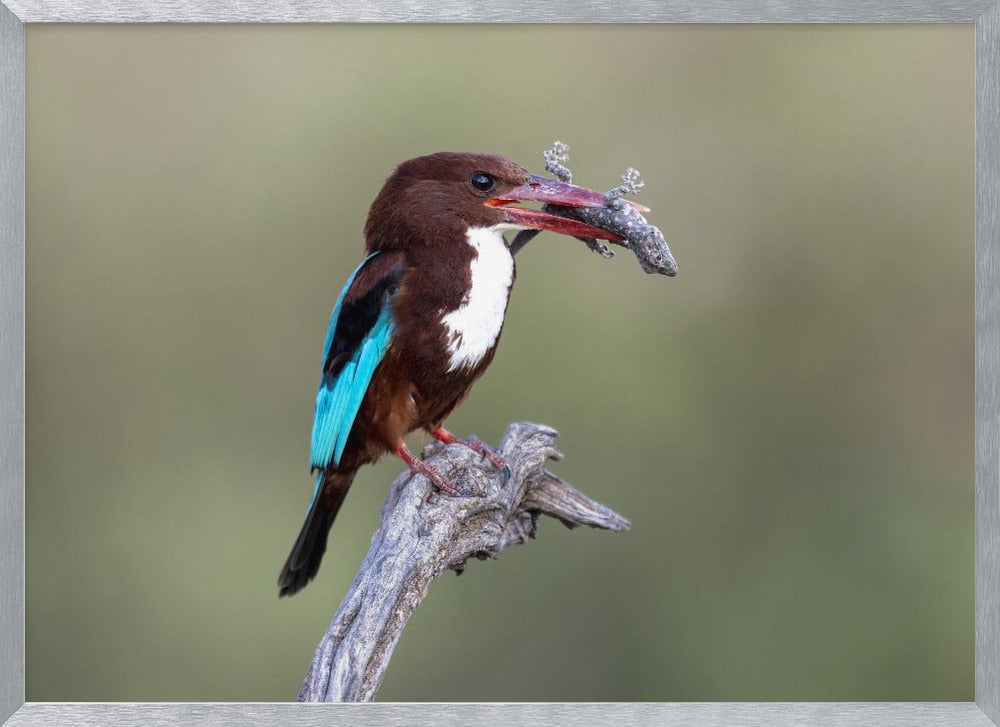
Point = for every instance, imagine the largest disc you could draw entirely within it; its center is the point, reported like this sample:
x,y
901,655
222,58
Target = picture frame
x,y
985,14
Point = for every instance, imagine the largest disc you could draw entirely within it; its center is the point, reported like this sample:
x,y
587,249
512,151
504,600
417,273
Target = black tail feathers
x,y
307,553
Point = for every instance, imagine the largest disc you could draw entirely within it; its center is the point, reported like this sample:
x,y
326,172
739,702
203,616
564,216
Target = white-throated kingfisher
x,y
418,321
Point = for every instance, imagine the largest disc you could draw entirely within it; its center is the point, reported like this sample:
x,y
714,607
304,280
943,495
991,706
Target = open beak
x,y
554,192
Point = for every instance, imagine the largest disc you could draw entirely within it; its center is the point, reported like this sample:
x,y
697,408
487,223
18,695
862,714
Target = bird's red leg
x,y
418,465
443,435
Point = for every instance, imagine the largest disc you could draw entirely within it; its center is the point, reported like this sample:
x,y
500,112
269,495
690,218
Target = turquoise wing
x,y
357,338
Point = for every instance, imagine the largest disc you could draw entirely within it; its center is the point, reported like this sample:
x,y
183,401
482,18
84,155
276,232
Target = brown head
x,y
435,199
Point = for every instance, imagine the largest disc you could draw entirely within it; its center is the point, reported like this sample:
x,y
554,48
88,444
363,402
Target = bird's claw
x,y
418,466
487,452
495,459
499,463
438,479
484,450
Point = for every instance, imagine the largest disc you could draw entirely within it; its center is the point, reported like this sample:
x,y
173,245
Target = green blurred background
x,y
788,423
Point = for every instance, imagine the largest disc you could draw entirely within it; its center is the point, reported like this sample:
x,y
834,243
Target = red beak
x,y
551,191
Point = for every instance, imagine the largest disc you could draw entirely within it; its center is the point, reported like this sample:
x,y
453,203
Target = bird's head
x,y
435,199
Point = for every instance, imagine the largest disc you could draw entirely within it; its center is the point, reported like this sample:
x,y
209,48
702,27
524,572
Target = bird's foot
x,y
431,472
481,448
486,451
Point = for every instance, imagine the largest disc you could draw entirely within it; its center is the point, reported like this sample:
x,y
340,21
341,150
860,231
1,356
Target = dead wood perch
x,y
424,532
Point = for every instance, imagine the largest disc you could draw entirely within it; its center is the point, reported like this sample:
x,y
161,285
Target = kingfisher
x,y
418,321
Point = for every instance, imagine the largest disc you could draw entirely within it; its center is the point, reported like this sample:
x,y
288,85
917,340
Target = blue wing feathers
x,y
372,350
339,400
335,314
335,421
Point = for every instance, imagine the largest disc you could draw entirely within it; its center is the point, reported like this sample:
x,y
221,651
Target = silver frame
x,y
986,16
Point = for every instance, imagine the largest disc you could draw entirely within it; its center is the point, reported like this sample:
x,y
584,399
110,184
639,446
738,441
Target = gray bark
x,y
424,532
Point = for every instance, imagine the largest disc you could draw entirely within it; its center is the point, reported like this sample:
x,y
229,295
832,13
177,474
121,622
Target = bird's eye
x,y
482,182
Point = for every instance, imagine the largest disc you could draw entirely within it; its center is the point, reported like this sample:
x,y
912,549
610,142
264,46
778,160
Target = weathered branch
x,y
423,533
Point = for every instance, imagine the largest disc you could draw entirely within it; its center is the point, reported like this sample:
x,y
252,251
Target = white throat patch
x,y
473,327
